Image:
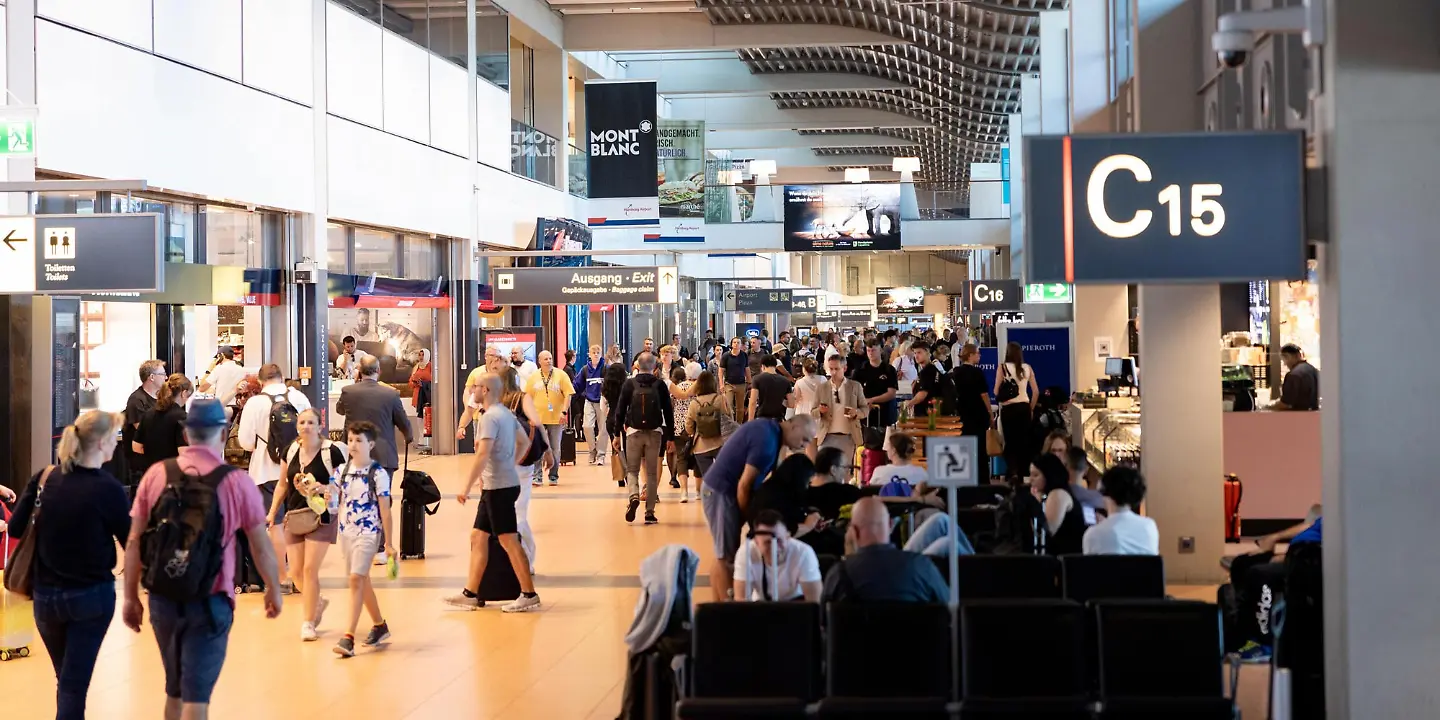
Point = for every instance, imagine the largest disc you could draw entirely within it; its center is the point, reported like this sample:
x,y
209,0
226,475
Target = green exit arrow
x,y
1047,293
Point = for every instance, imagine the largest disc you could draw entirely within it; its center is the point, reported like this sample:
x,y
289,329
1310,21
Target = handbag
x,y
20,570
994,442
301,522
1009,386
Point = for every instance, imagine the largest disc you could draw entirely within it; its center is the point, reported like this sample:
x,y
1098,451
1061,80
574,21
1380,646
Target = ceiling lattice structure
x,y
961,61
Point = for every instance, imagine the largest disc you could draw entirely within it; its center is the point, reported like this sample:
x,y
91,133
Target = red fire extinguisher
x,y
427,421
1234,491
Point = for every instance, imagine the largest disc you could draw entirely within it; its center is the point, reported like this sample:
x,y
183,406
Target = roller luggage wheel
x,y
12,653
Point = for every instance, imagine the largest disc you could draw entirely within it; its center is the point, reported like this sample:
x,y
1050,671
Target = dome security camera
x,y
1233,46
1235,32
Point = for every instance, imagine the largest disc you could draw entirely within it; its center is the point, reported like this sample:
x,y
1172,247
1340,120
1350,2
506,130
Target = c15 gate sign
x,y
1204,207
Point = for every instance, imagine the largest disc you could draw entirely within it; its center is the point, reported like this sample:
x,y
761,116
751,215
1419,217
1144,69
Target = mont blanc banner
x,y
620,136
681,177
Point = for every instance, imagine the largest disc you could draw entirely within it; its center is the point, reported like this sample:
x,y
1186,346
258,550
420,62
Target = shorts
x,y
193,638
358,552
495,514
722,516
683,460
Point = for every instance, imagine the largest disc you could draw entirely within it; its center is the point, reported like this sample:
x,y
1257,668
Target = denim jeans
x,y
553,436
72,623
193,639
935,537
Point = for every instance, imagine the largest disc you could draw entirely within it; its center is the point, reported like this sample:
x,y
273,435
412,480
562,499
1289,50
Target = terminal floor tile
x,y
564,662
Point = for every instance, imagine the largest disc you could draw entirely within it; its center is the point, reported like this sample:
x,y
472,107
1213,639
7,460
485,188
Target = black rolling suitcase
x,y
247,576
567,446
499,581
417,489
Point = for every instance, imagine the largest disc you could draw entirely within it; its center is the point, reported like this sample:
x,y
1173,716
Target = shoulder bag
x,y
20,569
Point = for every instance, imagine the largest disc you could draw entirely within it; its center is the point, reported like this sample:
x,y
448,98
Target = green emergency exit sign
x,y
17,137
1047,293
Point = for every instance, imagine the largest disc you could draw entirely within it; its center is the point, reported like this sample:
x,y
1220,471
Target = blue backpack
x,y
897,487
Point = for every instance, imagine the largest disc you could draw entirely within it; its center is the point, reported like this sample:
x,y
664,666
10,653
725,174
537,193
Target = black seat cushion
x,y
1159,649
1099,577
756,650
1022,649
1004,576
862,640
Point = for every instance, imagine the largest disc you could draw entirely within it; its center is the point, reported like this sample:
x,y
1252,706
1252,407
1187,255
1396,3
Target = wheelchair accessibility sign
x,y
950,460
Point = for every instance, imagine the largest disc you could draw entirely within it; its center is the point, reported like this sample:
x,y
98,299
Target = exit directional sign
x,y
1047,293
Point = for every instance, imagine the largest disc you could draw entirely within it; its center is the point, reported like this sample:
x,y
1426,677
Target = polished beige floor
x,y
565,662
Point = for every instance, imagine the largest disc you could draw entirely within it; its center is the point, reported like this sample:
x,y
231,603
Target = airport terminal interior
x,y
575,359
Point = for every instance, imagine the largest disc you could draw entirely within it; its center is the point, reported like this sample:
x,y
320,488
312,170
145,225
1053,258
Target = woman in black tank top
x,y
312,458
1064,520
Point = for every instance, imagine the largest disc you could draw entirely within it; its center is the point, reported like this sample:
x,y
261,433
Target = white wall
x,y
396,150
204,34
396,183
177,128
927,233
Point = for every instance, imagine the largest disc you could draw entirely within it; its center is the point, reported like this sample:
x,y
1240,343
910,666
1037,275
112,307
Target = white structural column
x,y
1182,439
1055,72
1100,311
1382,150
29,317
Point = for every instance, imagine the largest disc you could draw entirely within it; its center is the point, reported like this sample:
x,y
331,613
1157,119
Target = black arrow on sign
x,y
10,239
669,277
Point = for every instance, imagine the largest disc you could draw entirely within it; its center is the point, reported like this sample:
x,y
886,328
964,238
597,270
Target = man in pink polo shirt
x,y
193,636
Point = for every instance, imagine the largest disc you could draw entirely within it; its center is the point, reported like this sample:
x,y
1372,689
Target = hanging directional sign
x,y
856,318
992,295
950,460
81,254
804,303
621,285
1041,293
827,316
761,301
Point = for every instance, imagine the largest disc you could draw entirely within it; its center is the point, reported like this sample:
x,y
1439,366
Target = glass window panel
x,y
56,203
375,252
233,237
336,257
422,257
177,223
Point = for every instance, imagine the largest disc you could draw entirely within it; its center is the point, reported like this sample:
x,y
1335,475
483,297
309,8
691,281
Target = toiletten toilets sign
x,y
81,254
1201,207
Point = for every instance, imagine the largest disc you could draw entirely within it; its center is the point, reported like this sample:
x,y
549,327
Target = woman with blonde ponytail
x,y
85,511
162,429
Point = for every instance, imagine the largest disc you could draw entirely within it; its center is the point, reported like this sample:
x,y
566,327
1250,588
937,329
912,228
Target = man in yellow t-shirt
x,y
550,389
471,403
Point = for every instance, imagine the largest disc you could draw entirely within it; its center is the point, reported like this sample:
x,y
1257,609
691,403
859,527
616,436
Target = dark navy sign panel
x,y
1046,350
1217,207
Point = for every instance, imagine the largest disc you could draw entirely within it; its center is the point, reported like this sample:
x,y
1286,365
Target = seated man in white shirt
x,y
761,575
348,362
1125,531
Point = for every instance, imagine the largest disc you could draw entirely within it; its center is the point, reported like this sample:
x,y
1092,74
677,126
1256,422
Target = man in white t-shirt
x,y
223,376
523,368
1125,531
762,575
348,363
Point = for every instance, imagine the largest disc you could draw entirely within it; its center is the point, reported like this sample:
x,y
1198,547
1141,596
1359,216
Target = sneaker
x,y
307,632
1253,653
553,483
621,483
674,483
346,647
320,606
684,497
522,604
378,634
630,511
466,602
380,558
287,588
536,483
650,518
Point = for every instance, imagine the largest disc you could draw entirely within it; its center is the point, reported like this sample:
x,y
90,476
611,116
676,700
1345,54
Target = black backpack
x,y
283,429
644,411
180,550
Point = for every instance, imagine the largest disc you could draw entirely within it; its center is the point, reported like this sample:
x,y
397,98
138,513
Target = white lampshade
x,y
906,164
762,167
857,175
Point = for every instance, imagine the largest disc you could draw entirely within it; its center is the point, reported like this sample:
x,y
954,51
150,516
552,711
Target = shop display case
x,y
1112,437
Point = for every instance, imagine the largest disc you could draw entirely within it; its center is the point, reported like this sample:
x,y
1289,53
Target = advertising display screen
x,y
900,300
855,216
556,234
503,339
